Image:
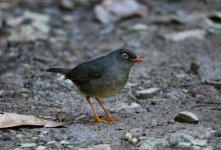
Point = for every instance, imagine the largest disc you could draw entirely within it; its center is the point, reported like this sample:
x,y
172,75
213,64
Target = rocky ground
x,y
179,41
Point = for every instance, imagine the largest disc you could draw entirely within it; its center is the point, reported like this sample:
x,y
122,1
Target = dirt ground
x,y
26,88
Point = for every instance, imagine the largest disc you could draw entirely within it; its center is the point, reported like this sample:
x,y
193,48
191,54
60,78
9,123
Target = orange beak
x,y
137,60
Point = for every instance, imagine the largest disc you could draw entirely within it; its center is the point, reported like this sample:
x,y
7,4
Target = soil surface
x,y
77,36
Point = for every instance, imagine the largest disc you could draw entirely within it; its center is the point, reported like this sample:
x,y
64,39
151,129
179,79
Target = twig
x,y
212,82
200,105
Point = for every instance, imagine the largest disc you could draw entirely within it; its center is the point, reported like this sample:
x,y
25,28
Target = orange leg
x,y
109,117
97,118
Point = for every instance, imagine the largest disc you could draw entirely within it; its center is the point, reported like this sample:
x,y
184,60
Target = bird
x,y
101,78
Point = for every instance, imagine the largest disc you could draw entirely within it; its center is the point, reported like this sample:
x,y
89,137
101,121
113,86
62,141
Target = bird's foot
x,y
102,120
111,119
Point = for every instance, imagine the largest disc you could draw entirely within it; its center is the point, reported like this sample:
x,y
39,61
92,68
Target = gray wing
x,y
89,70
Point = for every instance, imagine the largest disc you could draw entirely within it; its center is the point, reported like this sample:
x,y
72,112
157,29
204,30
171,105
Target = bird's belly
x,y
102,87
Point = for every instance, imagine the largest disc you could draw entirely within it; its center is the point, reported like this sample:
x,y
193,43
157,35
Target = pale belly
x,y
102,87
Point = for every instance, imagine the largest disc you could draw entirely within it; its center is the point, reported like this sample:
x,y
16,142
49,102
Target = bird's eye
x,y
125,55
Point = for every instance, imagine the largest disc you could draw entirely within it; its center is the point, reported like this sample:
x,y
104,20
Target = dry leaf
x,y
12,120
113,10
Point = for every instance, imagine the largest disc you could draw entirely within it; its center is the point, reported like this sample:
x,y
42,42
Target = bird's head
x,y
125,58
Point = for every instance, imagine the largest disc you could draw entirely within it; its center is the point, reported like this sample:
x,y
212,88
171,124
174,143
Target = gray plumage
x,y
102,77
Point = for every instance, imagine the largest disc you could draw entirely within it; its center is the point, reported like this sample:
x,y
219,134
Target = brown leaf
x,y
113,10
12,120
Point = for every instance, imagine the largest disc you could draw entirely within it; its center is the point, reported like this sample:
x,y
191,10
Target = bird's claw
x,y
113,119
108,120
102,120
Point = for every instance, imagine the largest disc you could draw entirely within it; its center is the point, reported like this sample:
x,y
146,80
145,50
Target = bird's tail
x,y
59,70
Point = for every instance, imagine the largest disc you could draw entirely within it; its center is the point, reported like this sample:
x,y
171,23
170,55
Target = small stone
x,y
13,22
65,142
186,137
147,93
207,148
98,147
142,137
128,136
187,117
69,146
19,135
34,138
161,142
36,16
27,145
51,142
134,105
184,145
41,136
41,147
129,84
44,132
146,146
67,4
139,27
152,144
111,11
18,148
2,92
125,109
134,140
199,142
180,36
194,147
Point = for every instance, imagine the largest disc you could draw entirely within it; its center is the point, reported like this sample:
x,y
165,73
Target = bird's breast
x,y
106,86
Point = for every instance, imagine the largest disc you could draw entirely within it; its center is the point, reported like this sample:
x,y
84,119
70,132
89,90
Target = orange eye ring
x,y
125,55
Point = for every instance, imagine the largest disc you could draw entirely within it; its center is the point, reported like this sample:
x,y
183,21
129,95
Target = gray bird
x,y
102,77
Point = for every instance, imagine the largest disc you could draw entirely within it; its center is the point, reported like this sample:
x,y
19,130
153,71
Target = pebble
x,y
186,137
44,132
98,147
41,147
128,136
51,142
194,147
134,140
176,138
147,93
140,27
125,109
65,142
69,146
143,138
34,138
135,105
184,145
199,142
19,135
187,117
27,145
41,136
2,92
180,36
208,148
146,146
152,144
39,17
67,4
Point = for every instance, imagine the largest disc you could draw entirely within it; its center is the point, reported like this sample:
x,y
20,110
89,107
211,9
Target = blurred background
x,y
178,39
